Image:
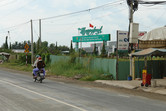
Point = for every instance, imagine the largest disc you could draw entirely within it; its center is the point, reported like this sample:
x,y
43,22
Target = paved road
x,y
19,93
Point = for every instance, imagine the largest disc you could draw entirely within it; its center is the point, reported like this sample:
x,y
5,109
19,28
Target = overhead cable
x,y
87,10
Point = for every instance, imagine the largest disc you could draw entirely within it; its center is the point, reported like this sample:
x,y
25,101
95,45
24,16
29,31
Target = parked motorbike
x,y
40,76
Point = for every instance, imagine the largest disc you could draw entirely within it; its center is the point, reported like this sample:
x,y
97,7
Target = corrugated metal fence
x,y
104,65
108,66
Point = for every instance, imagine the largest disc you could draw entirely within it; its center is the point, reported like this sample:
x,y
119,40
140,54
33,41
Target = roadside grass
x,y
77,71
69,70
17,66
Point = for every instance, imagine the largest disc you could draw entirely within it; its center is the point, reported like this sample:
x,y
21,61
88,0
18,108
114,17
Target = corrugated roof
x,y
150,52
4,53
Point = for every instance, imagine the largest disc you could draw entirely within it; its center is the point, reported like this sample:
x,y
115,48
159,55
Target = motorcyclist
x,y
40,66
36,61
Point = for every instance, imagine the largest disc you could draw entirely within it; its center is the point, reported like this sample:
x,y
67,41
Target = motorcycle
x,y
40,76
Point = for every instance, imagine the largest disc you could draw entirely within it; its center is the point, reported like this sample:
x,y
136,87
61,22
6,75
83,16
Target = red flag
x,y
90,25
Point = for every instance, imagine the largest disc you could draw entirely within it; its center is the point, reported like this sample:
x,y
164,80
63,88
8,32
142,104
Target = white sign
x,y
122,40
134,32
123,43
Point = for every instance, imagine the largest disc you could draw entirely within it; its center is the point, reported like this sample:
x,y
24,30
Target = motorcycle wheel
x,y
40,80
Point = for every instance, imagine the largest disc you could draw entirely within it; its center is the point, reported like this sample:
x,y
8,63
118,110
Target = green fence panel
x,y
107,66
123,70
155,67
112,67
139,66
54,58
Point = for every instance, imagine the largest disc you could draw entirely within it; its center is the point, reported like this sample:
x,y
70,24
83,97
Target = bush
x,y
22,58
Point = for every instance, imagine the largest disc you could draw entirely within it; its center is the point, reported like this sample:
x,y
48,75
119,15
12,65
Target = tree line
x,y
53,48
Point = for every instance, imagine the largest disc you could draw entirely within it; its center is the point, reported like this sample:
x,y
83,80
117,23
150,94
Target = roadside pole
x,y
129,37
31,42
39,32
117,57
26,59
26,47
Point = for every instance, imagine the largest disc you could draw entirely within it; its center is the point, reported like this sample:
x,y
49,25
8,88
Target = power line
x,y
18,9
10,2
86,10
14,26
58,16
152,2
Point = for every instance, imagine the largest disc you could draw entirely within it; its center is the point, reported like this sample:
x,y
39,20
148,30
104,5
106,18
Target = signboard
x,y
122,40
123,43
26,48
134,32
91,38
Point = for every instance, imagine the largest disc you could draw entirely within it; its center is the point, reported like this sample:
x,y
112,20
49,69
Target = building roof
x,y
4,53
155,34
149,52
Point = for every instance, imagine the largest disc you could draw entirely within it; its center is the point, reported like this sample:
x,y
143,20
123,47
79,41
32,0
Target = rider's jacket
x,y
40,64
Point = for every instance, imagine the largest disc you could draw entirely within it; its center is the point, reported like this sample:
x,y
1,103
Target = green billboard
x,y
91,38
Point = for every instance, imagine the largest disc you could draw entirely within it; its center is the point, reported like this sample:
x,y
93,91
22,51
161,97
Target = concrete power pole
x,y
39,32
32,42
130,3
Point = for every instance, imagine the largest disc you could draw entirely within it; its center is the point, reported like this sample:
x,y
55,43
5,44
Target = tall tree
x,y
52,48
10,45
34,48
71,48
95,50
56,47
6,43
103,51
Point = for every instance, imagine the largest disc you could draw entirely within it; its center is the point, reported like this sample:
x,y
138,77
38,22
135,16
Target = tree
x,y
44,44
6,43
103,51
95,50
71,48
34,48
52,48
56,47
10,45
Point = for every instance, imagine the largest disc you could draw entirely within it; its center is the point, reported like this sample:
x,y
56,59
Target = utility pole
x,y
39,32
133,6
9,39
31,42
117,57
131,12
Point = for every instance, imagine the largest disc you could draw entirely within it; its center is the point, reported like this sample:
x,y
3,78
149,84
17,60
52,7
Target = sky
x,y
58,25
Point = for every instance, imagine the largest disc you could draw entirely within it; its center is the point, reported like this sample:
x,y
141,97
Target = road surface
x,y
18,92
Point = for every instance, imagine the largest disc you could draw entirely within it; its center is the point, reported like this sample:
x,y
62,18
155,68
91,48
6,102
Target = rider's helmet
x,y
40,59
37,56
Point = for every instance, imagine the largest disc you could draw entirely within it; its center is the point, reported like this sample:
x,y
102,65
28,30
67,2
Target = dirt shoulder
x,y
135,92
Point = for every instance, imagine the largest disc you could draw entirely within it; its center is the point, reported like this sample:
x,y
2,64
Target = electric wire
x,y
21,24
18,9
78,12
8,3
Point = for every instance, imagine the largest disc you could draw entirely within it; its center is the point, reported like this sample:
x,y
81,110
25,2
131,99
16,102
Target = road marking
x,y
126,96
54,99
